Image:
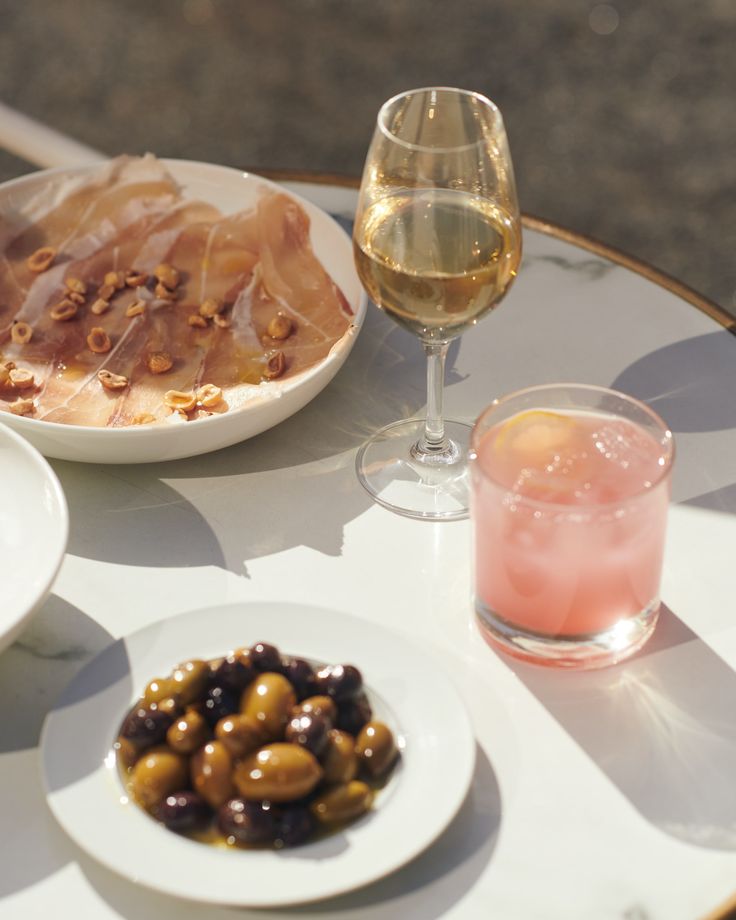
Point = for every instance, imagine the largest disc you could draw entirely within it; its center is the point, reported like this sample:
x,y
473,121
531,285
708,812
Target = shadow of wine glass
x,y
661,726
690,383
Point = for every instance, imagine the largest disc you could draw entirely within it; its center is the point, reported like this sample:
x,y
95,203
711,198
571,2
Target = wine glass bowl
x,y
437,243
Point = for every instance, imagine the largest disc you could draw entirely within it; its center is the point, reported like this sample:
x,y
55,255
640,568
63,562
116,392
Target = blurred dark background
x,y
620,115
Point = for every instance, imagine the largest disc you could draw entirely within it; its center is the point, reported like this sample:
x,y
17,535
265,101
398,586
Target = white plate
x,y
34,525
229,190
404,686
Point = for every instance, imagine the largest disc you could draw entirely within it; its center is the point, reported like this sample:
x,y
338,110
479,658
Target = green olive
x,y
160,688
342,803
190,680
240,734
188,733
376,748
269,700
339,760
158,773
278,772
319,706
212,773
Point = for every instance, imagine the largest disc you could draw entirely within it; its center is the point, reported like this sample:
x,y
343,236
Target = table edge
x,y
542,225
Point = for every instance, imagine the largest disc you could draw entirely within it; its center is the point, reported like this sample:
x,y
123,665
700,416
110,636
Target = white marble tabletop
x,y
598,795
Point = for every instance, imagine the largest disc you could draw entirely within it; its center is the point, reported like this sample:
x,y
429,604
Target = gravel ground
x,y
620,115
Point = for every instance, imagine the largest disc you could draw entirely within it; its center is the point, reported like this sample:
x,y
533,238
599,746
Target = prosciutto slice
x,y
131,215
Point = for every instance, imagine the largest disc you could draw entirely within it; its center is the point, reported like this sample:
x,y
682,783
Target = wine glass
x,y
437,242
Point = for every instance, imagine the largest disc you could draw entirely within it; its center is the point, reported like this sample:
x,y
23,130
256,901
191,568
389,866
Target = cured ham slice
x,y
131,217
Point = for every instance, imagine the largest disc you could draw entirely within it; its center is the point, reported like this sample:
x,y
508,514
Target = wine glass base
x,y
430,488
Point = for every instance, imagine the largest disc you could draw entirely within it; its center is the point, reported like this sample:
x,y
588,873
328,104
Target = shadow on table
x,y
424,890
723,499
33,670
661,726
691,384
128,514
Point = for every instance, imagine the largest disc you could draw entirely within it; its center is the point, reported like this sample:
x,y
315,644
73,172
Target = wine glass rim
x,y
488,103
665,439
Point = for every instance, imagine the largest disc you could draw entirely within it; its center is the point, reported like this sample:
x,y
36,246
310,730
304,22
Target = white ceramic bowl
x,y
229,190
34,525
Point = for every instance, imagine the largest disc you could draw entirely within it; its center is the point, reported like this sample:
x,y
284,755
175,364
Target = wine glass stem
x,y
433,446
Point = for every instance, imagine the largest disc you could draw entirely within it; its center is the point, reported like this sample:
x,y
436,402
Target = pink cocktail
x,y
571,486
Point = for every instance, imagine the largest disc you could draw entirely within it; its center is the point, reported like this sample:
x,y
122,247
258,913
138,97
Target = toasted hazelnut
x,y
208,395
181,402
75,285
143,418
222,321
167,275
280,327
115,279
41,259
21,379
64,311
135,278
163,293
106,291
22,407
78,299
112,381
137,308
211,306
21,333
159,362
4,375
100,306
275,366
195,319
98,341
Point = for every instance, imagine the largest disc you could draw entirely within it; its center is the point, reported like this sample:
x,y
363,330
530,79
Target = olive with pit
x,y
376,748
278,772
319,705
295,825
190,680
188,733
218,703
339,760
269,700
145,727
265,657
158,689
158,773
212,773
352,715
183,811
233,674
300,674
240,734
340,681
247,822
308,730
342,803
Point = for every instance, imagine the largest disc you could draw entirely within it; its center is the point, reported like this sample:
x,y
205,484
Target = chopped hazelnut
x,y
280,327
208,395
75,285
134,278
195,319
137,308
167,275
275,366
163,293
112,381
21,379
222,321
100,306
179,401
98,341
41,259
106,291
78,299
159,362
115,279
64,311
211,306
21,333
22,407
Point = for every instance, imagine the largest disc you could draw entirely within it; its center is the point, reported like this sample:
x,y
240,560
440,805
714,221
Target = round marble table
x,y
597,795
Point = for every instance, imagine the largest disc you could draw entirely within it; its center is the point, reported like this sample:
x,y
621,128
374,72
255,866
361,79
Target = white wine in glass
x,y
437,242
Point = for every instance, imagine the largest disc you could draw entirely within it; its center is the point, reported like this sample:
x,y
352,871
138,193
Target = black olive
x,y
218,703
308,730
247,822
353,714
265,657
145,727
341,681
301,676
232,674
295,826
183,811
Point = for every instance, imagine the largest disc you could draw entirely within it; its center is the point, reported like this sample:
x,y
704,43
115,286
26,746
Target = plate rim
x,y
41,427
61,516
462,775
